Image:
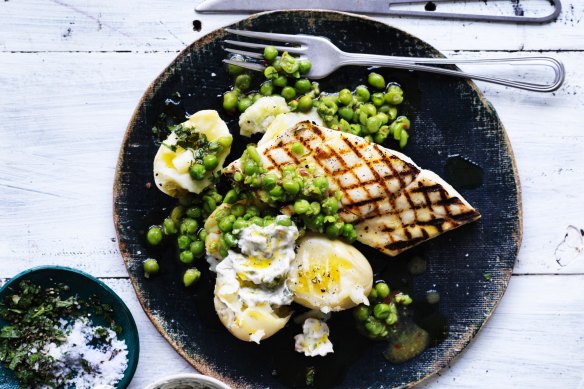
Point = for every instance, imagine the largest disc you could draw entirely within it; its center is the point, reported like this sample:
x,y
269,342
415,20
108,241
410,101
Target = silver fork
x,y
326,58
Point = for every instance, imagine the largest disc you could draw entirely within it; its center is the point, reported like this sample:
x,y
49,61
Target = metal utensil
x,y
379,7
326,58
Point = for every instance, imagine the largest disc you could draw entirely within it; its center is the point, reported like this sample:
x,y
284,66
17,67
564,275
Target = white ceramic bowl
x,y
188,381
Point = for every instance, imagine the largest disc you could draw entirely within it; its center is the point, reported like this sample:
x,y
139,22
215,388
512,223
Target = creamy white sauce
x,y
314,339
254,280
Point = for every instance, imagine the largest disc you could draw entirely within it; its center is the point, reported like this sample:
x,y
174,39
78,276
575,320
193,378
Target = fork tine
x,y
250,54
293,50
247,65
266,35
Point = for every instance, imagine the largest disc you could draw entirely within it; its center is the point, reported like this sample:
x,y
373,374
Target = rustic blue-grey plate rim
x,y
469,267
84,285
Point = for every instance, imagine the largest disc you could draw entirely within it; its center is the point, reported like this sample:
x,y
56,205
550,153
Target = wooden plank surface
x,y
71,73
94,25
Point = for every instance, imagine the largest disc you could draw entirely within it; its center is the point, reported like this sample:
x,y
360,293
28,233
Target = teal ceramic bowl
x,y
85,286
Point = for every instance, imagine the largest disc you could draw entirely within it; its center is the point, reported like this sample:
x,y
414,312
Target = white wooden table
x,y
71,73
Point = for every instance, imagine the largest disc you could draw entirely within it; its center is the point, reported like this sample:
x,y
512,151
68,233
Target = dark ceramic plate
x,y
469,267
85,286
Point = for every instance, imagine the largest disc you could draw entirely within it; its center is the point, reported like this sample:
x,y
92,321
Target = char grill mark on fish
x,y
393,204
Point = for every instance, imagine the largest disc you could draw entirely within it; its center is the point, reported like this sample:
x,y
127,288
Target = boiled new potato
x,y
261,114
329,275
171,167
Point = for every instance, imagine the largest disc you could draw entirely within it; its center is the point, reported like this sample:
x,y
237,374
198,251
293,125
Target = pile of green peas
x,y
366,113
185,223
283,75
299,187
377,320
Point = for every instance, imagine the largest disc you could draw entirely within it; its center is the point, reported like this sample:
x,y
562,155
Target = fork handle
x,y
420,64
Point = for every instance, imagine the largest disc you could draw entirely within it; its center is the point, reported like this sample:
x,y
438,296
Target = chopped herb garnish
x,y
487,276
34,316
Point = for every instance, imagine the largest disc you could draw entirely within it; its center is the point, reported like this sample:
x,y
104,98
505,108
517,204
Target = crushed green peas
x,y
191,276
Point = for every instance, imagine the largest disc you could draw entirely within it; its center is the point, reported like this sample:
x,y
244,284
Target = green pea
x,y
189,226
403,139
346,113
229,101
297,148
372,295
305,103
270,53
243,81
203,234
288,93
169,227
270,73
391,319
197,248
381,135
381,311
277,192
330,206
252,152
321,183
215,147
226,224
209,204
334,230
289,64
258,221
239,224
269,181
382,289
362,93
280,81
210,161
314,208
154,235
277,64
347,230
403,299
383,117
231,196
183,242
363,118
394,94
151,267
186,257
252,210
391,112
293,105
345,97
237,177
291,187
230,240
250,167
235,70
376,80
373,124
369,109
191,276
177,213
197,172
284,221
302,86
304,66
378,99
194,212
301,206
267,88
237,210
356,129
361,312
374,328
244,104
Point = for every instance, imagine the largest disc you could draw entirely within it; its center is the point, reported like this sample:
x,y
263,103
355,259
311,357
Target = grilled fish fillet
x,y
393,203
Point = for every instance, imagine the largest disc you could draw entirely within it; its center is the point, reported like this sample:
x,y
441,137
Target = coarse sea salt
x,y
90,357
